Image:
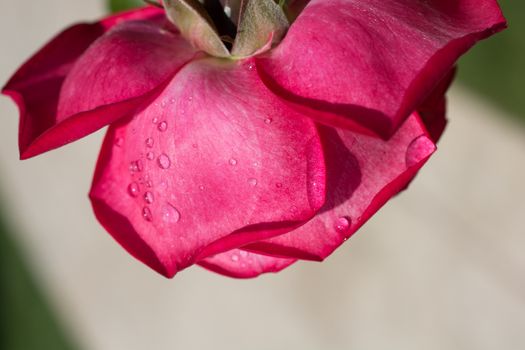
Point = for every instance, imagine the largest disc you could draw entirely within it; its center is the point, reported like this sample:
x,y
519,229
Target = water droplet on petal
x,y
136,166
133,189
251,66
418,150
163,104
149,197
201,187
150,155
278,185
252,181
268,121
164,161
233,161
235,257
170,214
163,126
119,141
195,145
243,253
342,224
149,142
155,120
146,214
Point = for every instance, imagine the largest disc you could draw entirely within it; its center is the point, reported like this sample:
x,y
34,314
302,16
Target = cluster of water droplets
x,y
242,257
141,188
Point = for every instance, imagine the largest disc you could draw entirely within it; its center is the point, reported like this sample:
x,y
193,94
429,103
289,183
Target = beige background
x,y
440,267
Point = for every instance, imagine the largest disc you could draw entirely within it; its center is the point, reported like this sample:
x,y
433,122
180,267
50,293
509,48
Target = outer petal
x,y
214,163
434,109
74,85
239,263
374,62
362,174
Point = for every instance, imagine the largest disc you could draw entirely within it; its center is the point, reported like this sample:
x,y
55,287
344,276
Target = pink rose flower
x,y
245,159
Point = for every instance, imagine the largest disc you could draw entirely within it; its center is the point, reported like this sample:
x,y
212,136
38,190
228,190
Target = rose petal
x,y
363,172
74,85
373,62
239,263
214,163
434,109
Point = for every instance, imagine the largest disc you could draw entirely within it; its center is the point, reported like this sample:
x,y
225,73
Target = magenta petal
x,y
363,172
374,62
214,163
73,86
239,263
434,109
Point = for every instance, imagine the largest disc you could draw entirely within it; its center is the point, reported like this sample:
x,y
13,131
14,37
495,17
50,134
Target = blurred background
x,y
440,267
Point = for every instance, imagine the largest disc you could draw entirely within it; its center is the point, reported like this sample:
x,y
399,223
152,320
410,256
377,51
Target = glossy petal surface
x,y
239,263
374,62
362,174
214,163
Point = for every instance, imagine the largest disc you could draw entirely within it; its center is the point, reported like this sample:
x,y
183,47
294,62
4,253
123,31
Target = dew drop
x,y
252,181
233,161
195,145
268,121
235,257
251,66
170,214
133,189
243,253
278,185
418,149
201,187
150,155
136,166
155,120
342,224
163,126
163,104
149,197
146,214
149,142
119,141
190,99
227,10
164,161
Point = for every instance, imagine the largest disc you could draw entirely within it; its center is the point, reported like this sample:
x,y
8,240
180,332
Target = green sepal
x,y
196,26
262,23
